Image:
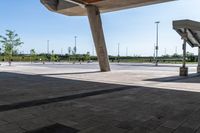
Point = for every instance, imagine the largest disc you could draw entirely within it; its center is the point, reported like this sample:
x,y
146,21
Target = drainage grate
x,y
55,128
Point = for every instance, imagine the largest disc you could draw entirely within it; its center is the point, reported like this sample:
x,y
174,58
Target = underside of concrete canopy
x,y
93,8
190,32
75,7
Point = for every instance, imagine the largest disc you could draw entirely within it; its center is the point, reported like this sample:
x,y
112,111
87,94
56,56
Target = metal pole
x,y
154,52
126,51
157,22
61,51
75,49
47,46
0,56
118,52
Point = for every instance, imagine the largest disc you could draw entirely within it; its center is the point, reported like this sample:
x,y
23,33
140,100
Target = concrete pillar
x,y
184,69
198,67
98,37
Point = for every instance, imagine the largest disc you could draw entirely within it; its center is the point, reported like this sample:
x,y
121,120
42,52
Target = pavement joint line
x,y
38,102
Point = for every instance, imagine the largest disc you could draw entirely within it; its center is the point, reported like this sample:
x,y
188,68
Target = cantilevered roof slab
x,y
192,29
74,8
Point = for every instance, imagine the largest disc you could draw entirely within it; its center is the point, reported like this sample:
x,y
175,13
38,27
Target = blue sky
x,y
134,28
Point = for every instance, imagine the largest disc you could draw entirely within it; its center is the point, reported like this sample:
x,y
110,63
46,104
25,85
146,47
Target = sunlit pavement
x,y
132,98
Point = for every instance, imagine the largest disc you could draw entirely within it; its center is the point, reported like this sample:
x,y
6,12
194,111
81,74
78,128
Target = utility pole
x,y
154,51
118,52
176,51
0,56
47,46
61,51
126,51
93,50
157,22
75,47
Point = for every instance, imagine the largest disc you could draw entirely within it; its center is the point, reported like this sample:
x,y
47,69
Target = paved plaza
x,y
77,98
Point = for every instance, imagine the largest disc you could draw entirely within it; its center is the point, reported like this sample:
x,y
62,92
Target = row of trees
x,y
11,41
56,57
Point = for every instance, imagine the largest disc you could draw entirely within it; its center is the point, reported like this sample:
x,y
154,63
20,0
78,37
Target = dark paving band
x,y
32,103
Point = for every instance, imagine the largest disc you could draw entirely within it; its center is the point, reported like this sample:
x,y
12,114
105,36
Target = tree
x,y
74,55
53,57
190,57
32,55
10,42
86,57
69,50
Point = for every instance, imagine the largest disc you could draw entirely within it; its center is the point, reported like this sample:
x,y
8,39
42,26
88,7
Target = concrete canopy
x,y
190,32
192,29
93,9
73,8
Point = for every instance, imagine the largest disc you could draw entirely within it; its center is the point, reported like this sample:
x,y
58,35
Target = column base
x,y
198,69
183,71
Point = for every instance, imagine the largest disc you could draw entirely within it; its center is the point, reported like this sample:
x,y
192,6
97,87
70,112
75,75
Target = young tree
x,y
69,50
53,57
10,42
32,55
74,56
86,57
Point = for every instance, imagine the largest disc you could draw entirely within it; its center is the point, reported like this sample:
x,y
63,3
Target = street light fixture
x,y
156,47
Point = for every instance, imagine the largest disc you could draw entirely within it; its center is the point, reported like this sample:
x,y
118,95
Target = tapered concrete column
x,y
198,67
184,69
98,37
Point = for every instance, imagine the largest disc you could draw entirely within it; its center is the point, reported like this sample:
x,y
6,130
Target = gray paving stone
x,y
162,129
104,129
172,124
16,115
140,130
182,129
149,109
10,128
32,124
3,122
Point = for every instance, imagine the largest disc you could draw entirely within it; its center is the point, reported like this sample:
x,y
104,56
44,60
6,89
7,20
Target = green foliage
x,y
86,57
32,55
69,50
54,57
190,57
10,42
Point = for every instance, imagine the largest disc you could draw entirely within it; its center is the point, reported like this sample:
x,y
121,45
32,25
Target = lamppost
x,y
126,51
75,48
156,59
0,55
154,51
118,52
47,46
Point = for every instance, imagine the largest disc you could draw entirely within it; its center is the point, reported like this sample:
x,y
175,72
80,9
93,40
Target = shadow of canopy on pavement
x,y
192,78
95,106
